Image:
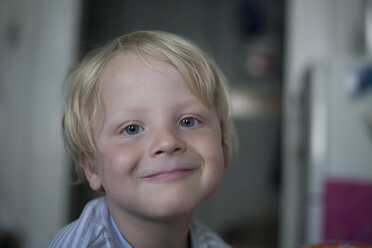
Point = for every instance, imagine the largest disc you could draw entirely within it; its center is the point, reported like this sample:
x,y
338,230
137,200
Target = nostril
x,y
177,149
166,143
159,152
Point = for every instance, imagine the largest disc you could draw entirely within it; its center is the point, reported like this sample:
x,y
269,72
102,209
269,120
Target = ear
x,y
90,173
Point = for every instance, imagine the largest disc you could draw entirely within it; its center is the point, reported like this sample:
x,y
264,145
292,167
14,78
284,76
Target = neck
x,y
144,232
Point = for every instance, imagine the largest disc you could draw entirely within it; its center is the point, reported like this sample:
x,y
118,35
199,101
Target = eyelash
x,y
193,120
130,126
128,130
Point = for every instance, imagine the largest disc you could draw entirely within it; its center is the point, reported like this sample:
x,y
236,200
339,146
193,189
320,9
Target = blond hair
x,y
82,100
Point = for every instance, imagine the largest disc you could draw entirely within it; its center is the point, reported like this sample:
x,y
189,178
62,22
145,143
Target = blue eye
x,y
132,130
189,122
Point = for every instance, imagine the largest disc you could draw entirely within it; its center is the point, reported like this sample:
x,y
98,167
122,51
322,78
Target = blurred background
x,y
300,77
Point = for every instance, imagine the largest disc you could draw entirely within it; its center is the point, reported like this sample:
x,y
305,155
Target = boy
x,y
147,121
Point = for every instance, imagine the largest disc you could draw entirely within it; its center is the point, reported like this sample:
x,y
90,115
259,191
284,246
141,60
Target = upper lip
x,y
168,166
166,172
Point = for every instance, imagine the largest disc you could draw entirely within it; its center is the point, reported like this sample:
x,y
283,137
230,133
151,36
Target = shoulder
x,y
204,237
90,230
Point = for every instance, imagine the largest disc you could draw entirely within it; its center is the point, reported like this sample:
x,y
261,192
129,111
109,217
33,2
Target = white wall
x,y
37,44
317,30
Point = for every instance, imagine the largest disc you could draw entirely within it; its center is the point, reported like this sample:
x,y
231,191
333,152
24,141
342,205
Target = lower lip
x,y
169,176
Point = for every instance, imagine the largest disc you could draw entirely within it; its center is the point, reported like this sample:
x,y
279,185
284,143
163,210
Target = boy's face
x,y
159,149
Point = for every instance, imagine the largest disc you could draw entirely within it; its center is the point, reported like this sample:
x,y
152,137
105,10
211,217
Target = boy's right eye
x,y
132,129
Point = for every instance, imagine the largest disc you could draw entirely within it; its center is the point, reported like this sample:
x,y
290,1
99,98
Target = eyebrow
x,y
118,113
138,109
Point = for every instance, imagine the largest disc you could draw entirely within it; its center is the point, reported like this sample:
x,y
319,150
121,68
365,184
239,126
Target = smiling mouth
x,y
170,175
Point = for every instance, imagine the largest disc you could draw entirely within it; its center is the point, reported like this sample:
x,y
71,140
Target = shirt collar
x,y
119,237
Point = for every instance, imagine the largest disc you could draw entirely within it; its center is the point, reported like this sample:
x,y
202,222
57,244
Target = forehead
x,y
133,71
130,65
132,76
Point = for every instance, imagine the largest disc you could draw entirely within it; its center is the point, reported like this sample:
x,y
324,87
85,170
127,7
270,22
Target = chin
x,y
174,207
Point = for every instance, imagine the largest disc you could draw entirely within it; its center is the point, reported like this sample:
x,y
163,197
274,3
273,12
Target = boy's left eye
x,y
188,122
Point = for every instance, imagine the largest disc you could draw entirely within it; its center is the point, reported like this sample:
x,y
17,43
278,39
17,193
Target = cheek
x,y
119,162
214,169
213,146
217,162
212,153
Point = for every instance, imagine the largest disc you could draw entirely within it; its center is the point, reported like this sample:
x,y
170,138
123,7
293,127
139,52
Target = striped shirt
x,y
95,228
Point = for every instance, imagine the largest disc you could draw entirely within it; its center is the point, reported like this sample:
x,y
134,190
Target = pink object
x,y
348,211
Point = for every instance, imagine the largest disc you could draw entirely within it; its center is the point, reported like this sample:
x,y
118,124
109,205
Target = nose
x,y
167,141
